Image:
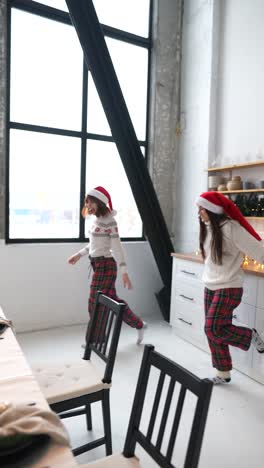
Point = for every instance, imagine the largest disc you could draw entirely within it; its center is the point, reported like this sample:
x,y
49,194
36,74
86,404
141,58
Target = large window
x,y
59,140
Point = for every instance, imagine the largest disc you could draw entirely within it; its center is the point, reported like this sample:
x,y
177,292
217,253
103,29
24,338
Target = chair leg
x,y
107,422
88,417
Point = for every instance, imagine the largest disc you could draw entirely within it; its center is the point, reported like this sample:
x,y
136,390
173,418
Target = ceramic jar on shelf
x,y
222,188
235,183
214,181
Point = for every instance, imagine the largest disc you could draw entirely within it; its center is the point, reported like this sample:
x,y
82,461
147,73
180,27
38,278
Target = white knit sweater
x,y
236,242
105,240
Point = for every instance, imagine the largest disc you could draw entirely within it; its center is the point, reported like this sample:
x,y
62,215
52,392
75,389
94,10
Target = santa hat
x,y
219,204
102,195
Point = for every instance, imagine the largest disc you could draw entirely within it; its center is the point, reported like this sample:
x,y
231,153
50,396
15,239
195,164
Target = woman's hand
x,y
74,259
126,281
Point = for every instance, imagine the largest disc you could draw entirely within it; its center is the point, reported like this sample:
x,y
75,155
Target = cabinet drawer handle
x,y
188,272
185,321
186,297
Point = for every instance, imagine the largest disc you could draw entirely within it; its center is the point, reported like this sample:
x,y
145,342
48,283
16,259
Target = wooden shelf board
x,y
243,191
254,217
236,166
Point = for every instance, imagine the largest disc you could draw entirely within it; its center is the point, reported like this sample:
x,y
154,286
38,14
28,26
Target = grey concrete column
x,y
2,113
165,92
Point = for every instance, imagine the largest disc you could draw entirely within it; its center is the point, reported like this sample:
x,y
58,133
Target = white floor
x,y
235,425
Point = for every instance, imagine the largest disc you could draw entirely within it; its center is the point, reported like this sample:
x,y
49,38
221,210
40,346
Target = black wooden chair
x,y
70,388
158,429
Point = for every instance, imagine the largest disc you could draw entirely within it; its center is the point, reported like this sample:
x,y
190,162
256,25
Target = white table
x,y
18,385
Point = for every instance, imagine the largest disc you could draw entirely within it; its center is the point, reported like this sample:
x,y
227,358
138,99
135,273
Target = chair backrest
x,y
174,392
103,332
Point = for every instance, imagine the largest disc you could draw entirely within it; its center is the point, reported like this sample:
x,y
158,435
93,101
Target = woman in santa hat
x,y
104,243
225,236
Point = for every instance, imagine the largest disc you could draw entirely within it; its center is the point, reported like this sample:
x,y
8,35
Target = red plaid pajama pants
x,y
104,278
220,331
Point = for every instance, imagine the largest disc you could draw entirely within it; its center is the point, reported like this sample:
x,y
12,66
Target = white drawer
x,y
260,295
185,269
190,314
242,360
258,359
187,292
250,287
188,320
244,314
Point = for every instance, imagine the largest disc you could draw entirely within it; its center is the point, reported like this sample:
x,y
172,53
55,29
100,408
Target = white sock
x,y
224,374
141,333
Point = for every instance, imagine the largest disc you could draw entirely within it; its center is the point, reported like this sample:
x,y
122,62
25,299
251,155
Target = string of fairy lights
x,y
250,262
247,262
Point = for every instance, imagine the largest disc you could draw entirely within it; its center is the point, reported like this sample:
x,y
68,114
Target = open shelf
x,y
254,217
243,191
236,166
230,168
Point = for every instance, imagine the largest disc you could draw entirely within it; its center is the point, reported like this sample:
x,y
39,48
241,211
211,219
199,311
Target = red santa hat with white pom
x,y
219,204
101,194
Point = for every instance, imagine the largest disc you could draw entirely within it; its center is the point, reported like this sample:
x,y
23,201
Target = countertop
x,y
251,268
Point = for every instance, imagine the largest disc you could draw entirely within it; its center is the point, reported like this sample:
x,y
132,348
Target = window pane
x,y
105,168
96,118
129,15
131,66
46,72
44,185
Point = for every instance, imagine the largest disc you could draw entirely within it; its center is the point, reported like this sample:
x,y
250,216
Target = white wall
x,y
38,289
222,100
191,179
240,135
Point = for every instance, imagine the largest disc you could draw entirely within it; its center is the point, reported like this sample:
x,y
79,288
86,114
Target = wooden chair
x,y
70,388
158,431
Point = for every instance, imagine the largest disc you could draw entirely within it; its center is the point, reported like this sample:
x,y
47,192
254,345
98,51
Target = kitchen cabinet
x,y
187,310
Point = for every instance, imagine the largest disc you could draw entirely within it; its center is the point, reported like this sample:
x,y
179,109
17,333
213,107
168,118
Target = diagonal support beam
x,y
97,57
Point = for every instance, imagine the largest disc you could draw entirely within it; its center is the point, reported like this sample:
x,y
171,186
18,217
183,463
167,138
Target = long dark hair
x,y
102,209
216,222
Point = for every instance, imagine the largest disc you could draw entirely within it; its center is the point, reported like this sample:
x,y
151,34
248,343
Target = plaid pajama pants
x,y
104,278
220,331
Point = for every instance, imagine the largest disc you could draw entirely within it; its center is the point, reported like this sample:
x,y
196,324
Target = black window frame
x,y
109,31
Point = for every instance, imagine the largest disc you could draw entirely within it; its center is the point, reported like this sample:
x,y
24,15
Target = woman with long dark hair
x,y
225,236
